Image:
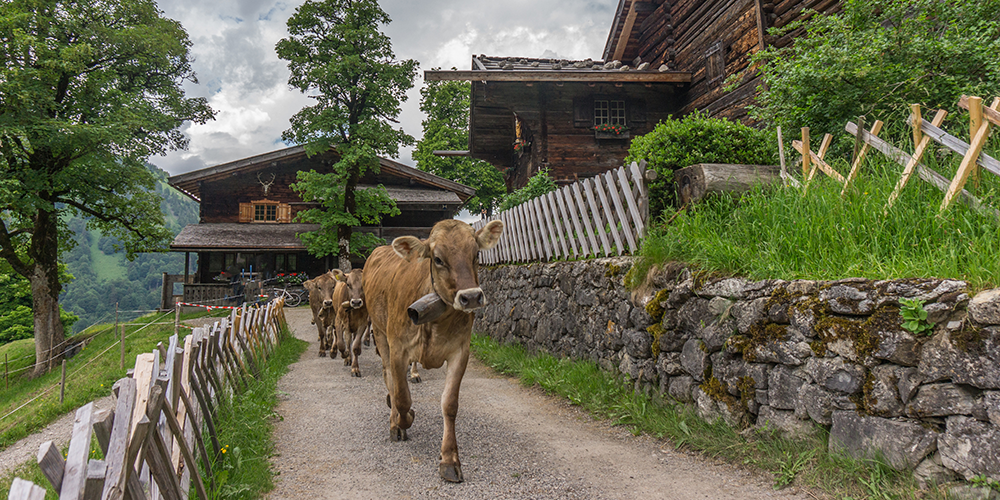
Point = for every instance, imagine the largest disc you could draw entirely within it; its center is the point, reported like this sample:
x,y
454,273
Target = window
x,y
715,62
265,213
610,111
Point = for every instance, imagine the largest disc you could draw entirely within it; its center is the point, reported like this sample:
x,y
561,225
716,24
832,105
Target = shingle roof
x,y
525,69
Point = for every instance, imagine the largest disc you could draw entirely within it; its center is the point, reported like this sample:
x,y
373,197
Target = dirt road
x,y
514,443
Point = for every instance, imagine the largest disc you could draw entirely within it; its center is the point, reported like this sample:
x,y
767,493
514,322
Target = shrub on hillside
x,y
537,185
697,138
876,57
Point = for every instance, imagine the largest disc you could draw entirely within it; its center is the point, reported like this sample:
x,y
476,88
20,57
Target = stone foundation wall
x,y
784,354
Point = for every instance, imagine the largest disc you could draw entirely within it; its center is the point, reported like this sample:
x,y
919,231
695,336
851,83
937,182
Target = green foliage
x,y
780,234
696,138
876,57
537,185
446,105
981,481
337,53
790,466
914,316
88,91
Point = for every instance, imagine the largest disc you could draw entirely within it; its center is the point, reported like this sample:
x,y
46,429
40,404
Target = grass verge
x,y
245,424
804,462
781,234
89,374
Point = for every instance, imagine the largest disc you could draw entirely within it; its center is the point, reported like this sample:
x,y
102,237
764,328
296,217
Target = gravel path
x,y
514,442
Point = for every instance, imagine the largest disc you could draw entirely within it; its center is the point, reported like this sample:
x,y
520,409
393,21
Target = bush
x,y
697,138
875,58
537,185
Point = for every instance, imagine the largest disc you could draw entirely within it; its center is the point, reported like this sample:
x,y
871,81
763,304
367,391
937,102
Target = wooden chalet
x,y
247,209
662,58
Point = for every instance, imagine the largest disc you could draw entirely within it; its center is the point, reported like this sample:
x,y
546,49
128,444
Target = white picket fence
x,y
602,216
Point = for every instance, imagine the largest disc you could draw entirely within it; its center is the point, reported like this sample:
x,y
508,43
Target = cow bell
x,y
426,309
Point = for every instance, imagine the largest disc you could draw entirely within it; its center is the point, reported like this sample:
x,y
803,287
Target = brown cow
x,y
352,315
321,301
396,276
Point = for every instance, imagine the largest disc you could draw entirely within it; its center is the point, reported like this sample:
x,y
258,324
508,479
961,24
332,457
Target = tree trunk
x,y
49,332
45,288
344,231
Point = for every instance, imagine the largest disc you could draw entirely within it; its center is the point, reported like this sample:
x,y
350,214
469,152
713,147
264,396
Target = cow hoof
x,y
388,401
322,354
355,373
415,379
451,473
396,435
368,343
347,361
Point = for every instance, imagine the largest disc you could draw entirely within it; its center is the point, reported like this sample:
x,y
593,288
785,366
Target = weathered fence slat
x,y
595,214
538,224
633,206
621,214
52,463
21,489
114,480
565,198
609,217
567,231
75,475
581,202
96,469
557,244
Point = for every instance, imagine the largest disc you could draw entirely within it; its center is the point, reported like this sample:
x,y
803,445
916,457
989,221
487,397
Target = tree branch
x,y
7,251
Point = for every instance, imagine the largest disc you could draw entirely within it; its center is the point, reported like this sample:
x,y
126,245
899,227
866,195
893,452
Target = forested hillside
x,y
104,277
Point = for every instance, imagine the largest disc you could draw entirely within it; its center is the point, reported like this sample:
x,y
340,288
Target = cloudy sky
x,y
245,82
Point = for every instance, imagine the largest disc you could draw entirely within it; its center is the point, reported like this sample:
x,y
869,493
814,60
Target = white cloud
x,y
239,72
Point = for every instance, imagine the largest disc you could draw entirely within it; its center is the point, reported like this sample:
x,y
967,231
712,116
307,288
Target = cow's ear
x,y
489,235
407,246
339,275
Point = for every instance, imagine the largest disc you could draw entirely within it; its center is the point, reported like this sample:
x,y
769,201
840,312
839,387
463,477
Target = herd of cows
x,y
377,298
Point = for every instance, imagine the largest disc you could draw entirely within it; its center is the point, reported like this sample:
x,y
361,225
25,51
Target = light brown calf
x,y
321,301
352,315
396,276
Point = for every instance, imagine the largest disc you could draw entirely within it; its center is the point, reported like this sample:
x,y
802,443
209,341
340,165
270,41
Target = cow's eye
x,y
438,261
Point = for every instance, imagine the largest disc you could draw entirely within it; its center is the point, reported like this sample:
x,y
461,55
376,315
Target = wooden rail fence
x,y
981,119
153,437
601,216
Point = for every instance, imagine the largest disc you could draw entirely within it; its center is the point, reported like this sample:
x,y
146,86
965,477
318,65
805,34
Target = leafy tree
x,y
537,185
88,91
446,105
878,56
336,51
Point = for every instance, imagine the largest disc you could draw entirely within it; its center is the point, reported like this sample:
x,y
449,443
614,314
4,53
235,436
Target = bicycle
x,y
293,297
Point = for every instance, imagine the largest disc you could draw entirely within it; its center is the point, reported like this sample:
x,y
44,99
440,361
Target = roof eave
x,y
596,76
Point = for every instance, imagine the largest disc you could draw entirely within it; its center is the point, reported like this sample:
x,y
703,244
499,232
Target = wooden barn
x,y
247,210
662,57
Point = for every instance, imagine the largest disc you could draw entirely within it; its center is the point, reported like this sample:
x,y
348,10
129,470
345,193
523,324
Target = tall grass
x,y
779,233
802,462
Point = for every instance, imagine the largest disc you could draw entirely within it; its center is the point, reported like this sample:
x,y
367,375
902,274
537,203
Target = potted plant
x,y
520,147
610,131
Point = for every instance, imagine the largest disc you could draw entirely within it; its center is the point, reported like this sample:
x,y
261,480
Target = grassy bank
x,y
779,233
28,405
800,462
244,425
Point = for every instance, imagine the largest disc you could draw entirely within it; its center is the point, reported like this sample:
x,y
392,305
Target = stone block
x,y
694,359
638,343
973,360
819,403
716,334
942,400
908,383
927,290
730,288
969,447
847,299
693,317
680,388
897,346
903,444
719,306
790,352
760,396
640,318
669,364
710,409
783,386
991,400
746,313
882,398
836,374
785,422
802,318
984,308
932,472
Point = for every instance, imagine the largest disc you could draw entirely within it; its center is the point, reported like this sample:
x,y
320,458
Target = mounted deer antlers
x,y
266,185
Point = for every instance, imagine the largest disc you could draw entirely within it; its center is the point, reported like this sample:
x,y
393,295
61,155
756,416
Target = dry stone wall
x,y
790,355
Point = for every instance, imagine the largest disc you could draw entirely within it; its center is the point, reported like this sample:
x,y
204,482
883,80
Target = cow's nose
x,y
470,299
327,303
356,303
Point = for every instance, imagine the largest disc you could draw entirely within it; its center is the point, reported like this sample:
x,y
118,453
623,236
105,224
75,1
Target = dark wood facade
x,y
662,58
247,209
711,39
529,114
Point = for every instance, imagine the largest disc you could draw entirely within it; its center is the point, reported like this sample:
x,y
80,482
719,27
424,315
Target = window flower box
x,y
609,131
